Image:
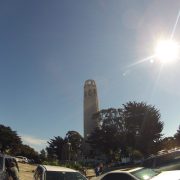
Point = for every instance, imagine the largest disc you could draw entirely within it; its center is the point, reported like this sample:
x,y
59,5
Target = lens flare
x,y
167,51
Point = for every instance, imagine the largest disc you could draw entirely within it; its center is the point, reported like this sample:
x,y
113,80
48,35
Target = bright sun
x,y
167,51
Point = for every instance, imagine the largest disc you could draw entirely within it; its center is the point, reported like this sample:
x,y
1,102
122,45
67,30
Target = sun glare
x,y
167,51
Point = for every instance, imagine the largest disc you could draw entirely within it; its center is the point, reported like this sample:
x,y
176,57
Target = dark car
x,y
5,161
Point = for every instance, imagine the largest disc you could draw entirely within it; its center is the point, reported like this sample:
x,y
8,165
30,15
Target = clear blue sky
x,y
48,48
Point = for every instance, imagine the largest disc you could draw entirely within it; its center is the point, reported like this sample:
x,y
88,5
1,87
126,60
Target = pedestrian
x,y
101,168
97,170
13,171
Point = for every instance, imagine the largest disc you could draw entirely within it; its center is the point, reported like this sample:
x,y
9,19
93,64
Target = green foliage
x,y
69,148
10,143
108,138
27,151
75,141
52,163
136,125
168,143
55,148
177,137
73,165
137,155
142,126
42,156
9,140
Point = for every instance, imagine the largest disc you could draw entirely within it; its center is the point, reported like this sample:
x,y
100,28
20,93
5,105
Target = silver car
x,y
139,174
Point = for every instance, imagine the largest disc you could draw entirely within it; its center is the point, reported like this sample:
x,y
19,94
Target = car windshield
x,y
145,173
55,175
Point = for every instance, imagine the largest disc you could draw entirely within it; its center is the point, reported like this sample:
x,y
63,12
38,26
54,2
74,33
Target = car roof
x,y
6,156
21,157
57,168
129,170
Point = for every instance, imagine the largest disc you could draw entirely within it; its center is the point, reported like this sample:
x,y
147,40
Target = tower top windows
x,y
90,82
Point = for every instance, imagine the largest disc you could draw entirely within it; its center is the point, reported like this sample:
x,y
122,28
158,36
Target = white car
x,y
21,159
45,172
139,174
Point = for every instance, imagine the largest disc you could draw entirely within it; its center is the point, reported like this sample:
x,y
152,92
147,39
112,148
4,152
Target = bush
x,y
52,163
137,155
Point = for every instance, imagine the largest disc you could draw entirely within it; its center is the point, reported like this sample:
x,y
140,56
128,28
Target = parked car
x,y
45,172
164,162
139,174
31,161
22,159
5,161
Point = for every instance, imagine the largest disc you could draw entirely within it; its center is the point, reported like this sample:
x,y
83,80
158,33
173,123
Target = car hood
x,y
168,175
96,178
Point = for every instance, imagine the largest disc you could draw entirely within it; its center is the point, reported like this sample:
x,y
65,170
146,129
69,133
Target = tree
x,y
168,143
177,137
137,155
27,151
143,126
42,155
9,140
108,137
135,126
55,148
75,141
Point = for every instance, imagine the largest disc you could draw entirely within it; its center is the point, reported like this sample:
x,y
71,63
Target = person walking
x,y
97,170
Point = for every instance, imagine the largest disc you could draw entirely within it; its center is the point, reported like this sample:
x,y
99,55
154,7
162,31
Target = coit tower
x,y
90,107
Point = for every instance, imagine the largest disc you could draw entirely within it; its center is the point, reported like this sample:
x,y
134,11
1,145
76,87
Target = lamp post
x,y
69,150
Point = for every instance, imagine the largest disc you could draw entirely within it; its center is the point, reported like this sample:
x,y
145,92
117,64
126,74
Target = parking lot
x,y
26,171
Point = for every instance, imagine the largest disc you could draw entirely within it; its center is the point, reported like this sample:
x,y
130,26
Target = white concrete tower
x,y
90,107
